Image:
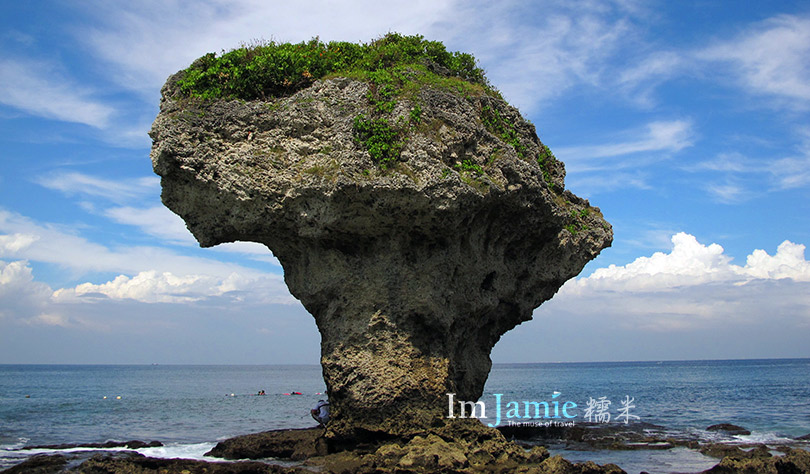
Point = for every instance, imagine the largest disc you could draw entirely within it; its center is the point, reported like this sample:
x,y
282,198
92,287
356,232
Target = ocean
x,y
190,408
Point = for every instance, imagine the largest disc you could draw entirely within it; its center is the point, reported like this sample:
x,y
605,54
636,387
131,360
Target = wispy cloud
x,y
794,171
770,57
564,46
567,44
743,177
729,192
40,89
639,82
126,36
156,221
64,247
115,190
588,183
661,136
625,162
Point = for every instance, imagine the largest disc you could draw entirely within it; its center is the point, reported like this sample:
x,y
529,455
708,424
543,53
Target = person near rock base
x,y
321,412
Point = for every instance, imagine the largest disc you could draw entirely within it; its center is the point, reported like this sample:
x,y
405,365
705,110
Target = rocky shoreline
x,y
455,448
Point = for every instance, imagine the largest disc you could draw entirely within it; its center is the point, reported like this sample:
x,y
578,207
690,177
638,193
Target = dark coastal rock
x,y
804,438
412,270
613,436
795,461
40,464
729,429
558,465
467,447
137,464
109,444
718,450
289,444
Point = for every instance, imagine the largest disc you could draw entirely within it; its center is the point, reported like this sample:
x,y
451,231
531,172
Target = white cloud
x,y
772,57
152,317
689,263
50,319
788,262
39,89
694,286
154,287
733,162
14,243
160,222
116,190
20,295
692,263
125,303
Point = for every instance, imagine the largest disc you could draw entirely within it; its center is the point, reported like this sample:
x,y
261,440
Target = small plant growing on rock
x,y
380,139
468,165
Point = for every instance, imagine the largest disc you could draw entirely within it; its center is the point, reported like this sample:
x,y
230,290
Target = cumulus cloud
x,y
155,287
152,316
788,262
695,286
155,221
26,301
21,296
691,263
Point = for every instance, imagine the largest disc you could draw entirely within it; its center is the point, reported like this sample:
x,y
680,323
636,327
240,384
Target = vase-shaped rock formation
x,y
413,266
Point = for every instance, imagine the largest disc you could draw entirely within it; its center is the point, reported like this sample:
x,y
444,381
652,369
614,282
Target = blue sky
x,y
686,122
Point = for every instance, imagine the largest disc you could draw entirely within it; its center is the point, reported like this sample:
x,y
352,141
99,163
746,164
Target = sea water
x,y
190,408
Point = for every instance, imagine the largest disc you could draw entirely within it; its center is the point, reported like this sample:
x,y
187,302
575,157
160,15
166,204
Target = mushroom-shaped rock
x,y
416,232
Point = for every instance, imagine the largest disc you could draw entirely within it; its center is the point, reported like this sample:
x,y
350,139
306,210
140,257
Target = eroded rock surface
x,y
412,272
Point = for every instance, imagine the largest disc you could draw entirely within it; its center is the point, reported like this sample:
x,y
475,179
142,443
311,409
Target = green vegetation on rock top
x,y
279,69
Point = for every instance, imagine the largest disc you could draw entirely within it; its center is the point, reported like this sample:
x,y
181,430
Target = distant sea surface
x,y
190,408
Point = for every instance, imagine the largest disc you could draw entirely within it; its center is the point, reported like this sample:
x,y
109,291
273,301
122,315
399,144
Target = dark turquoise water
x,y
190,407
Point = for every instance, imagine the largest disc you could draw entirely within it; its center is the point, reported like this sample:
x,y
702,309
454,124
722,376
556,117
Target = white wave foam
x,y
766,437
180,451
